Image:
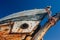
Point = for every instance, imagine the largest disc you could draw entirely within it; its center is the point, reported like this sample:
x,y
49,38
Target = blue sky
x,y
12,6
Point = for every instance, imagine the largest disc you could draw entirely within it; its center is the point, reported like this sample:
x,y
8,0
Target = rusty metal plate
x,y
18,26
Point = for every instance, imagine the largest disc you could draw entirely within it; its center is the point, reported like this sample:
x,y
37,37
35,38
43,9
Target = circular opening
x,y
24,26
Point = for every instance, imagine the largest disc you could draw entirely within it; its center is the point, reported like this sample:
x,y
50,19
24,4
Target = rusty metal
x,y
39,35
23,26
17,26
